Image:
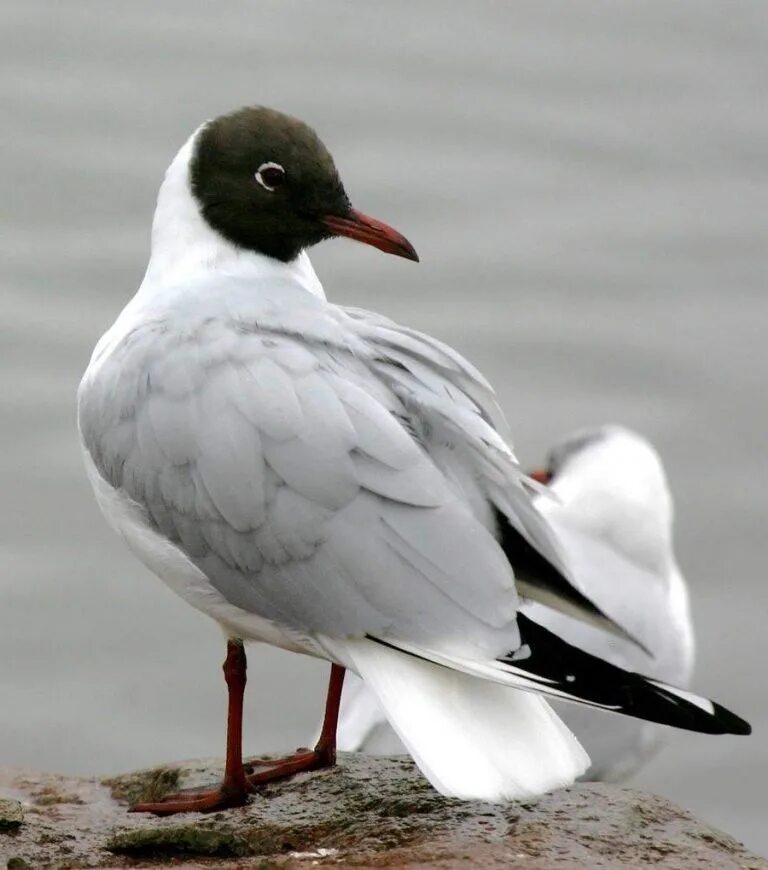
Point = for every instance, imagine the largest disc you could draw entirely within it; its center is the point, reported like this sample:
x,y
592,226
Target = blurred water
x,y
585,184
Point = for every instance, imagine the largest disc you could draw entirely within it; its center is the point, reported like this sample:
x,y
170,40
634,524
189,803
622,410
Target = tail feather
x,y
471,738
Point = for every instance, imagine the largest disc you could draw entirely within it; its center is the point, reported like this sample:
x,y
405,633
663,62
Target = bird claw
x,y
283,768
209,800
195,800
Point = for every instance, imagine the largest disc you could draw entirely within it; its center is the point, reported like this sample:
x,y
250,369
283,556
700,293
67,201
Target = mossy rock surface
x,y
366,813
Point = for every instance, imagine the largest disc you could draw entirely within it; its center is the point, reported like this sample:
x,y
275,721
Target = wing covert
x,y
455,406
282,467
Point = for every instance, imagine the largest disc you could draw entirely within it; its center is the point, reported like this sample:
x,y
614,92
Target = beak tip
x,y
362,228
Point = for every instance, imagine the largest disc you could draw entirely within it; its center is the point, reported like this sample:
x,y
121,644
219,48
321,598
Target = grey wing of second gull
x,y
290,466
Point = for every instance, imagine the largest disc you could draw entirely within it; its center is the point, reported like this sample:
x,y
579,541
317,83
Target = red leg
x,y
236,786
234,789
326,745
324,753
235,673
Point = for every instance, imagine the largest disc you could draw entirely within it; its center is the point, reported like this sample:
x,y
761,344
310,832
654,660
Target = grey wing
x,y
457,415
291,475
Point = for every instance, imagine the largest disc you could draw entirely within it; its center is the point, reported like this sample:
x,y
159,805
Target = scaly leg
x,y
234,789
236,785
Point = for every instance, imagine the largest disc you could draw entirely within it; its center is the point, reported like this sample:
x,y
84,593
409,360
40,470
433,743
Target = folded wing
x,y
462,425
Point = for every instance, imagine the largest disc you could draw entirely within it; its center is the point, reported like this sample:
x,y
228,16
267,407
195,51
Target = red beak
x,y
368,230
540,475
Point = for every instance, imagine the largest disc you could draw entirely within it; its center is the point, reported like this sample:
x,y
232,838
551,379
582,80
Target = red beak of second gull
x,y
541,475
368,230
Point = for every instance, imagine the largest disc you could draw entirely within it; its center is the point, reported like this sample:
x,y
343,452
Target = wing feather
x,y
230,465
331,484
174,423
267,397
420,485
421,373
430,541
327,423
377,431
325,469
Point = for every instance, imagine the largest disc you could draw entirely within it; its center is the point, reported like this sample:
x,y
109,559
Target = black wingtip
x,y
731,723
579,676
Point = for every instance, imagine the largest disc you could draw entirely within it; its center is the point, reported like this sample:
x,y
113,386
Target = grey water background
x,y
586,186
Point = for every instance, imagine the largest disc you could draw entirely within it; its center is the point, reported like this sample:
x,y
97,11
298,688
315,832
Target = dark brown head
x,y
265,182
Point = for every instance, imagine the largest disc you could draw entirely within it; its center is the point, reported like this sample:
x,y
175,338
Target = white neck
x,y
183,245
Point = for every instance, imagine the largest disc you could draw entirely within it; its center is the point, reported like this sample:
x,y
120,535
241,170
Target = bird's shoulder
x,y
235,394
250,444
265,346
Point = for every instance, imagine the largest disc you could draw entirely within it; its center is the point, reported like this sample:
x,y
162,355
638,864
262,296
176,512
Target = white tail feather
x,y
471,738
360,715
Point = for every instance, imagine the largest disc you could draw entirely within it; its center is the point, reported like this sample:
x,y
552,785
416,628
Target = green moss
x,y
260,839
145,785
271,839
403,809
179,840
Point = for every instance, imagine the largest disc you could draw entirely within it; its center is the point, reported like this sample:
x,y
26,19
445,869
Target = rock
x,y
11,814
368,812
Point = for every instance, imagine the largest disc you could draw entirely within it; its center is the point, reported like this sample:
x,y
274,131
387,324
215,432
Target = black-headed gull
x,y
327,481
611,509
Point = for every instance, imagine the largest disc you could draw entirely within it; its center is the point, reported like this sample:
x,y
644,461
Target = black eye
x,y
270,175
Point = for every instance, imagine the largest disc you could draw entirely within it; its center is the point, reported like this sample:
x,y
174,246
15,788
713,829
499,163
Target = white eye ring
x,y
268,165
